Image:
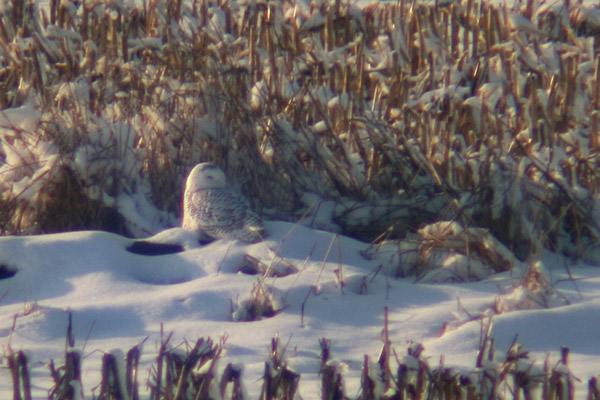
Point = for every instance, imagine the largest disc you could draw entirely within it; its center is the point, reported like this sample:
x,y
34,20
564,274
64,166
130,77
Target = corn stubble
x,y
189,371
404,113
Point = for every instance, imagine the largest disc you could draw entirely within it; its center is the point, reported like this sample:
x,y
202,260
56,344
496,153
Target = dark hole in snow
x,y
7,272
259,305
205,241
248,269
154,249
253,266
255,311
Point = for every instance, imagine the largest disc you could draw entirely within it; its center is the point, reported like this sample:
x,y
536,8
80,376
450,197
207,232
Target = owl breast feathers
x,y
215,208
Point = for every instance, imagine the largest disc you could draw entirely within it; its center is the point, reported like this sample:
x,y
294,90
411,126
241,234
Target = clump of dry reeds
x,y
404,113
19,369
280,382
332,380
444,251
187,373
535,290
190,372
67,378
261,303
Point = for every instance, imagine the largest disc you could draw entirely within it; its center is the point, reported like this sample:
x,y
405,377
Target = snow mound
x,y
118,299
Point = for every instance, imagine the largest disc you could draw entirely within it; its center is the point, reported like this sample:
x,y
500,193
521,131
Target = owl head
x,y
205,176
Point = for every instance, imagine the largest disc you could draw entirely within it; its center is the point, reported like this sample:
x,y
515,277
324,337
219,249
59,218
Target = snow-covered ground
x,y
118,299
331,289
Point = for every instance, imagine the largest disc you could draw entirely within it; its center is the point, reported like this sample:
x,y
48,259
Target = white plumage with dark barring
x,y
211,206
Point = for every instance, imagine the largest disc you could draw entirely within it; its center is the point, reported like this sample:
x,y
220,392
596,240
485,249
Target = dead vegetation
x,y
261,303
403,113
189,371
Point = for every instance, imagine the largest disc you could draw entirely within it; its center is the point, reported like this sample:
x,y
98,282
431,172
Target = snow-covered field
x,y
391,119
118,299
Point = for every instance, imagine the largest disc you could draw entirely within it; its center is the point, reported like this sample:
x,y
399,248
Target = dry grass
x,y
404,113
261,303
190,372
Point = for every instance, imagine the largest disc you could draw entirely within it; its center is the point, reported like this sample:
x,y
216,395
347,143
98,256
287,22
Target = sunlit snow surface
x,y
117,299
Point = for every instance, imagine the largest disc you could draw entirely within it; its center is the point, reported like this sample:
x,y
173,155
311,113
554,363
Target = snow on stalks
x,y
193,370
403,114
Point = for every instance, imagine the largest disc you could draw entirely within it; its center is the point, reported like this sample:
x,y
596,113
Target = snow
x,y
118,299
317,284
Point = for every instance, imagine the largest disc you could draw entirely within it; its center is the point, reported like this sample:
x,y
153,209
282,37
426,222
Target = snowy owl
x,y
212,206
